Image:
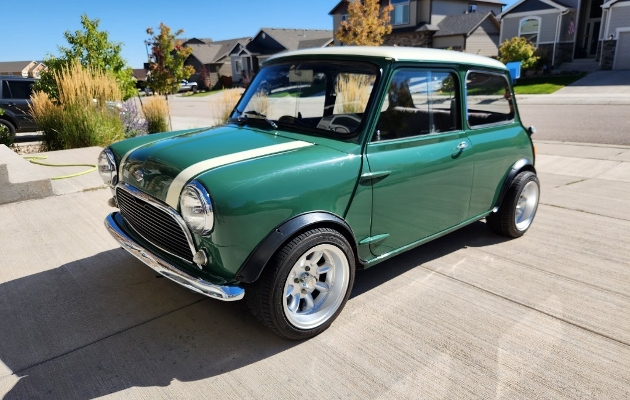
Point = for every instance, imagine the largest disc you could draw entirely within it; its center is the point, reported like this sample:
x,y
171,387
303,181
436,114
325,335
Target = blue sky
x,y
32,31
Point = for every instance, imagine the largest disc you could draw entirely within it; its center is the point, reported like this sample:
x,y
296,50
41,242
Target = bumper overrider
x,y
165,268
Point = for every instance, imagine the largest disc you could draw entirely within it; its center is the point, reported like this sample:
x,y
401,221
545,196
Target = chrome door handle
x,y
462,145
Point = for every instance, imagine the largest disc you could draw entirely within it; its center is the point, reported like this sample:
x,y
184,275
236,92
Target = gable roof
x,y
292,39
213,52
546,3
463,24
607,4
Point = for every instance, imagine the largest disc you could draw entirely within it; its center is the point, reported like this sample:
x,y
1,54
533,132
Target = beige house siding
x,y
446,42
443,8
547,25
424,11
484,40
619,18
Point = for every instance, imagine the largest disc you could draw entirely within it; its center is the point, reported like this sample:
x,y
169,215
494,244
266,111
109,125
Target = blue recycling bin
x,y
515,70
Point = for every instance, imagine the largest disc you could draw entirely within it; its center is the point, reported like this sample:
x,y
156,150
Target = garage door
x,y
622,52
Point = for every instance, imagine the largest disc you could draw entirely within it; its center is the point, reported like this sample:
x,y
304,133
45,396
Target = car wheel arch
x,y
258,259
521,165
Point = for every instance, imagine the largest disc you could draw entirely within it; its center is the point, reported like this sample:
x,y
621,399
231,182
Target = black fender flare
x,y
252,267
523,164
9,116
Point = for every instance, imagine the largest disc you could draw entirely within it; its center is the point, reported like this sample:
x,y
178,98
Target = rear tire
x,y
516,213
305,285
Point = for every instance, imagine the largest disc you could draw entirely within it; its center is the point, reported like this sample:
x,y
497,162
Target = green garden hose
x,y
33,158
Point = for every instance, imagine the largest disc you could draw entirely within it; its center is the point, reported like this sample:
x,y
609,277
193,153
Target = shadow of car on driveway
x,y
105,323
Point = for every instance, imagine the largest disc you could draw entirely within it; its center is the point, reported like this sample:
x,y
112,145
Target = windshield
x,y
318,97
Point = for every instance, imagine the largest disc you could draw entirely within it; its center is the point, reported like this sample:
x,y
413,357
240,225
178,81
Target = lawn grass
x,y
545,84
202,94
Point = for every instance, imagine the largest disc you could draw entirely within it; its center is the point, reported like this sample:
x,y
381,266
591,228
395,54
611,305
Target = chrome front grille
x,y
156,223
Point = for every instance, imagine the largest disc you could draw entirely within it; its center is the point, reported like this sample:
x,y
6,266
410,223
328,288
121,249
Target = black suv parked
x,y
15,98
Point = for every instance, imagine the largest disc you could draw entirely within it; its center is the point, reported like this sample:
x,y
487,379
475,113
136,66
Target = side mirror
x,y
531,130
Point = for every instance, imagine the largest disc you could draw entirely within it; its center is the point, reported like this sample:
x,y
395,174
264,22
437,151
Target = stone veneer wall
x,y
409,39
608,54
564,53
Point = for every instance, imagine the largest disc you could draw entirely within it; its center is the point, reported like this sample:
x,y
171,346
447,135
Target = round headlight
x,y
196,208
107,167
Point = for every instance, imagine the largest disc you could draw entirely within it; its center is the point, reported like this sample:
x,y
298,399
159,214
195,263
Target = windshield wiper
x,y
255,115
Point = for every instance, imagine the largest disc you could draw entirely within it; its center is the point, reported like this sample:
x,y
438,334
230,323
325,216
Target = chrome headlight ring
x,y
107,167
196,208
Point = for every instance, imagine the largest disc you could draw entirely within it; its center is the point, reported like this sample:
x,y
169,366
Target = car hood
x,y
162,167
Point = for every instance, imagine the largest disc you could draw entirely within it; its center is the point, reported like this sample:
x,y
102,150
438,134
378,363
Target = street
x,y
602,124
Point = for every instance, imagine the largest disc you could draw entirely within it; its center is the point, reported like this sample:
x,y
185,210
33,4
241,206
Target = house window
x,y
472,8
529,29
400,13
238,66
345,17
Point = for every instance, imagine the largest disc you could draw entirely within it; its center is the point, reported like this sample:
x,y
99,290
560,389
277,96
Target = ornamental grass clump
x,y
155,111
84,114
354,91
224,104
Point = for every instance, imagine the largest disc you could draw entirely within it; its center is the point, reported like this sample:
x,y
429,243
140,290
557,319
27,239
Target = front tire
x,y
516,213
305,285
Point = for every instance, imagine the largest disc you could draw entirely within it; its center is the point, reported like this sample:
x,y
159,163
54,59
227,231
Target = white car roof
x,y
397,54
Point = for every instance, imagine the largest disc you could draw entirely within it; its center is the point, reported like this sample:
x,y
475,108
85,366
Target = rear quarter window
x,y
488,99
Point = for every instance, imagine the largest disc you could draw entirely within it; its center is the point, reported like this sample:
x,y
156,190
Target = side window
x,y
6,93
20,89
419,102
488,99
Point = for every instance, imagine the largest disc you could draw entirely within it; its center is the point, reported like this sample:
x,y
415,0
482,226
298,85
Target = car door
x,y
16,98
420,160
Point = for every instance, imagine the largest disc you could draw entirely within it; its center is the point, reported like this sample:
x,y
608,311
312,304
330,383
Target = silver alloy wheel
x,y
316,286
526,206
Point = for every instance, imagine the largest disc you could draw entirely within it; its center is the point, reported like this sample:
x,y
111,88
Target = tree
x,y
92,48
366,24
518,49
166,66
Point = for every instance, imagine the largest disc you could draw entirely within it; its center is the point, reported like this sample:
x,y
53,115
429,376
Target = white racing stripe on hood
x,y
172,197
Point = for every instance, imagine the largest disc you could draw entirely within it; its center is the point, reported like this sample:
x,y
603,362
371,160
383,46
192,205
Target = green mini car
x,y
333,160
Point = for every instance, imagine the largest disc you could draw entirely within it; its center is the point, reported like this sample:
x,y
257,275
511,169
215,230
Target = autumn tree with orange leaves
x,y
366,24
167,57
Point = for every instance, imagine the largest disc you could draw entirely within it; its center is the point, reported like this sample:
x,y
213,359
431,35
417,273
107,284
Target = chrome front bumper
x,y
163,267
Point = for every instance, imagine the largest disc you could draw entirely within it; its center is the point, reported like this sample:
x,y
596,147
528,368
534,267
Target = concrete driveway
x,y
471,315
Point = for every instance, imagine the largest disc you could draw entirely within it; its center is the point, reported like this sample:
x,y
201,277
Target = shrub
x,y
133,123
518,49
156,114
225,103
5,138
83,114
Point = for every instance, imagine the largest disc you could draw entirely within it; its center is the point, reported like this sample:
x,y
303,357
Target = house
x,y
615,35
246,59
25,69
214,57
468,26
566,30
